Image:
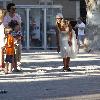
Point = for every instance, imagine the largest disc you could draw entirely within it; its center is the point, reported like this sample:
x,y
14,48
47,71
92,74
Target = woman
x,y
65,41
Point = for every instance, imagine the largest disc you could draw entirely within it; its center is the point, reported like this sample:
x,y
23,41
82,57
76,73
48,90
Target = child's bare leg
x,y
6,68
10,68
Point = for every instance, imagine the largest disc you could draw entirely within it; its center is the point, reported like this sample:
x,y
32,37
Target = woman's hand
x,y
70,43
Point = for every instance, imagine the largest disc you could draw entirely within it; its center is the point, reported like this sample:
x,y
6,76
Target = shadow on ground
x,y
43,79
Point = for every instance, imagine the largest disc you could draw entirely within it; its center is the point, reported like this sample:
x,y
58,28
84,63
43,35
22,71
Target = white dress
x,y
2,35
2,43
65,49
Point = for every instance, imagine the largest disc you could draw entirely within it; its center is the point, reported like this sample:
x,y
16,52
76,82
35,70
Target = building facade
x,y
38,20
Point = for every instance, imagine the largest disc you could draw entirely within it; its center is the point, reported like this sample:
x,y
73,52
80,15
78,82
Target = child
x,y
2,35
9,47
18,38
17,41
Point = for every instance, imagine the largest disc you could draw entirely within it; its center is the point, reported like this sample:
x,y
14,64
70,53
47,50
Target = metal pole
x,y
27,17
45,36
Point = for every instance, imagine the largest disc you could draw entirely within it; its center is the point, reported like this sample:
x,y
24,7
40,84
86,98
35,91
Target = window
x,y
3,3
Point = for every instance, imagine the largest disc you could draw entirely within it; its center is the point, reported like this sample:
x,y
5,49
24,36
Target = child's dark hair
x,y
13,24
9,6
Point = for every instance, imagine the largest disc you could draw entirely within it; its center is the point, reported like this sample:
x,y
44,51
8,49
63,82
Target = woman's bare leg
x,y
66,62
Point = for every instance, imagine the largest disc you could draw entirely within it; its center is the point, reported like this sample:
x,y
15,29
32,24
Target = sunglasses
x,y
59,18
13,8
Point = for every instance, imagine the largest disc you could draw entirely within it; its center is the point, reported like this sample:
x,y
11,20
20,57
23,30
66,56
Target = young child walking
x,y
9,48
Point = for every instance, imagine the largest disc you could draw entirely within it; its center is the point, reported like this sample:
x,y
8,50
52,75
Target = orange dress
x,y
10,45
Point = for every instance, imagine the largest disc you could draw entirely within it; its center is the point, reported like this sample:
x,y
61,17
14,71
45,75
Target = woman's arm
x,y
70,35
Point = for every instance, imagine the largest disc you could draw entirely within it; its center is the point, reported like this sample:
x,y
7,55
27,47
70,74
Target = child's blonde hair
x,y
8,30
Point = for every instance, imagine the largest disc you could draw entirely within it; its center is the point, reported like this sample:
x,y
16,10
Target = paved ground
x,y
42,78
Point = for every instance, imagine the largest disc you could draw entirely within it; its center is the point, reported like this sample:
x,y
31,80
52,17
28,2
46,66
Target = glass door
x,y
51,34
1,4
22,13
36,27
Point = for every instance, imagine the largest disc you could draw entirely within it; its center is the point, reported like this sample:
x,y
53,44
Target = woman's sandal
x,y
66,69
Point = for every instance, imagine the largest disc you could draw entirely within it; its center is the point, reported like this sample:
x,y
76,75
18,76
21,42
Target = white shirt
x,y
7,19
2,35
81,31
